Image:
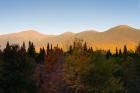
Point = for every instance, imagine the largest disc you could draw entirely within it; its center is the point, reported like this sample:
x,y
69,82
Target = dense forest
x,y
80,69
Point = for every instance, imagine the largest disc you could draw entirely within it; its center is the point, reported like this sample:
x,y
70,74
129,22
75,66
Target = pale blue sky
x,y
58,16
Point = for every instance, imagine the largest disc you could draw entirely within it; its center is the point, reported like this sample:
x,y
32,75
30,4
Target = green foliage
x,y
125,51
16,72
99,77
41,56
116,54
120,53
138,49
108,54
31,50
79,70
131,74
93,74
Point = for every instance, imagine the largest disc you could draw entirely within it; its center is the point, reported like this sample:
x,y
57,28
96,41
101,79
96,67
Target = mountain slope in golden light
x,y
115,37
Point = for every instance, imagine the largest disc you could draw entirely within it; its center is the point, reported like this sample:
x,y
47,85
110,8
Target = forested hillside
x,y
81,69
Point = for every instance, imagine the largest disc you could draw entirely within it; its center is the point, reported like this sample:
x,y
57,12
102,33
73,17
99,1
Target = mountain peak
x,y
30,32
67,33
121,28
117,36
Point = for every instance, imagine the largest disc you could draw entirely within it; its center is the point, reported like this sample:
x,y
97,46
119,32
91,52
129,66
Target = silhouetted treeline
x,y
80,69
16,70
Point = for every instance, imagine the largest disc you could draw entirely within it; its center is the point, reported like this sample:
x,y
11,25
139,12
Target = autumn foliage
x,y
80,69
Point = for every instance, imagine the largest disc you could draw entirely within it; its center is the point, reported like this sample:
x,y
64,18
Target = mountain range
x,y
114,37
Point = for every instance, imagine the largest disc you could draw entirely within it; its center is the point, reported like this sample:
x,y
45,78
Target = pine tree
x,y
70,49
41,56
120,52
48,48
57,46
108,54
31,50
23,49
85,46
138,49
90,50
0,52
7,46
16,73
116,54
125,52
6,52
23,46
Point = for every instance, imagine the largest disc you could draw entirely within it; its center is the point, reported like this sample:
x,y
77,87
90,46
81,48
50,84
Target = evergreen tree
x,y
57,46
6,52
138,49
16,73
41,56
85,46
125,52
78,44
23,46
7,47
108,54
120,52
0,52
116,54
22,51
70,49
48,48
90,50
31,50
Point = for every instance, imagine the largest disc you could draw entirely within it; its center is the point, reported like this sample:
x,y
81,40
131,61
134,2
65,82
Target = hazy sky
x,y
58,16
